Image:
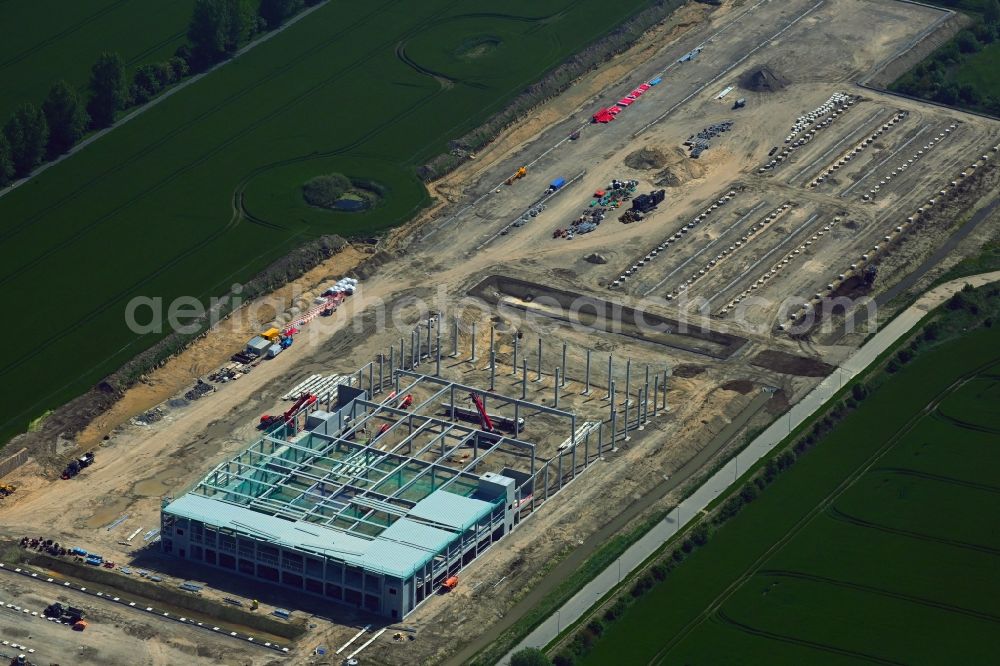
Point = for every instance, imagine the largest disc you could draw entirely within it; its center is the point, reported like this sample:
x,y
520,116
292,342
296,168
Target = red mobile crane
x,y
484,418
269,420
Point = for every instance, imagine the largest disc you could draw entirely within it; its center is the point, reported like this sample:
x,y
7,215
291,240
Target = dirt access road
x,y
819,48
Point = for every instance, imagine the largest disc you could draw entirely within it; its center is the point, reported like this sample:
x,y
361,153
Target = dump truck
x,y
78,465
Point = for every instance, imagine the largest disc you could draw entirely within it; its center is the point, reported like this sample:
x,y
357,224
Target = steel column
x,y
563,365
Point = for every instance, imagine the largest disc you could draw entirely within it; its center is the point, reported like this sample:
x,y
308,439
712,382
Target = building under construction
x,y
378,493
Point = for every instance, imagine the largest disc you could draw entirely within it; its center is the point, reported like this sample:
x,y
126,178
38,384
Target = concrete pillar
x,y
392,363
473,359
664,389
559,472
539,377
586,376
614,418
656,395
563,375
610,375
611,395
493,369
513,363
524,379
645,399
555,385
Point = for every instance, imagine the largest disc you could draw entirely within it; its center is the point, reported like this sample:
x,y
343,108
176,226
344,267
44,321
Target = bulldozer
x,y
520,173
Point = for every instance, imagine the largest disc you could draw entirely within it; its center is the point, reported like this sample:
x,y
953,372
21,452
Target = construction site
x,y
596,315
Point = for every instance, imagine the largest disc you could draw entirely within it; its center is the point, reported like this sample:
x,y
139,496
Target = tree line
x,y
934,78
216,31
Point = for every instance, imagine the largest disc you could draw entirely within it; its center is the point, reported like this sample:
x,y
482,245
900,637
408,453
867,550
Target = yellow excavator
x,y
520,173
6,489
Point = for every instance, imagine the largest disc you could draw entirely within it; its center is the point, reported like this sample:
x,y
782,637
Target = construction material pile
x,y
616,193
200,389
698,143
808,125
763,79
148,418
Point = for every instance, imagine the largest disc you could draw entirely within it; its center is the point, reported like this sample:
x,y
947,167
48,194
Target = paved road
x,y
719,482
156,100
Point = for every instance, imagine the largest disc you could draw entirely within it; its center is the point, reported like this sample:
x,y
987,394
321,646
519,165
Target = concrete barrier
x,y
12,462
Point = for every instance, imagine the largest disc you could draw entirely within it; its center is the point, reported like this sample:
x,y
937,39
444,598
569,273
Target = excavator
x,y
6,489
519,174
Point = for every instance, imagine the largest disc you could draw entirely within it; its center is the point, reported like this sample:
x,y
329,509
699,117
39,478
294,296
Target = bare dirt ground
x,y
114,635
820,48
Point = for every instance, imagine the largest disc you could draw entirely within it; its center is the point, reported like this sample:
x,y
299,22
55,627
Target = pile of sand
x,y
679,170
646,158
763,79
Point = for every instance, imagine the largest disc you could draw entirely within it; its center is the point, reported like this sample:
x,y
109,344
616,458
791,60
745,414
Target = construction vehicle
x,y
78,465
79,625
254,604
740,103
484,418
871,272
519,174
269,421
6,489
449,584
496,420
382,429
405,402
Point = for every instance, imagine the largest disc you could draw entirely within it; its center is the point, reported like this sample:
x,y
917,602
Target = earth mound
x,y
646,158
763,79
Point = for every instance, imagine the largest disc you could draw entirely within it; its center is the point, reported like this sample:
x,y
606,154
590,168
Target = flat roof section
x,y
398,551
451,510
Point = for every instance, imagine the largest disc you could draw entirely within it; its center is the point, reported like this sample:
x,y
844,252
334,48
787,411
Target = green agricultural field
x,y
46,40
879,546
369,90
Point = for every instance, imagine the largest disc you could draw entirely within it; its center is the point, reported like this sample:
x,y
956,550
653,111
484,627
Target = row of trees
x,y
218,28
34,134
935,77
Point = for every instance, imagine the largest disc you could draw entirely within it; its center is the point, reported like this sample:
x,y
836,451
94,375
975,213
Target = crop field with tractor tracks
x,y
205,189
883,521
